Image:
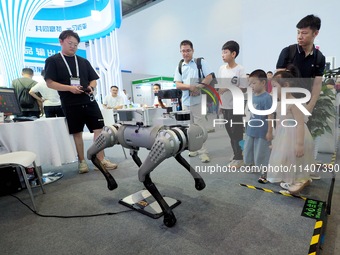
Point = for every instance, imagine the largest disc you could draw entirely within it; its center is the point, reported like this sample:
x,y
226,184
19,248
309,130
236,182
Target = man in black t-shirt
x,y
309,60
75,80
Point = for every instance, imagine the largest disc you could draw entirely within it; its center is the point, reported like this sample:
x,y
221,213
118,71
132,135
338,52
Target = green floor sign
x,y
313,209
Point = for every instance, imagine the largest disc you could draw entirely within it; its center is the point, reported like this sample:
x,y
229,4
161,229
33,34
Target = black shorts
x,y
78,116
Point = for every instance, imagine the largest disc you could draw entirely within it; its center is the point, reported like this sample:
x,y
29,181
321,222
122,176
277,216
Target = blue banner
x,y
38,52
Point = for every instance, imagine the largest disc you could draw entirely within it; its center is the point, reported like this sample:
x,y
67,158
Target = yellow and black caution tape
x,y
272,191
314,242
333,159
316,238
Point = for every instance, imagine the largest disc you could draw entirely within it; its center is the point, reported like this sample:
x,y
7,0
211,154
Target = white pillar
x,y
104,56
14,18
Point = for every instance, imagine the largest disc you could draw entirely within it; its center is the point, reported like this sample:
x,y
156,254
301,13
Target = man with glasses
x,y
75,80
187,80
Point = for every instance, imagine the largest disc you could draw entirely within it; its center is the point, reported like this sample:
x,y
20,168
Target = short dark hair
x,y
67,33
158,85
294,70
260,74
114,86
186,42
232,46
28,71
311,21
285,76
270,72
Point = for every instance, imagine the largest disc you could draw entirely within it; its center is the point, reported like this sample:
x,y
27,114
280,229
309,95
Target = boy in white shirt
x,y
233,74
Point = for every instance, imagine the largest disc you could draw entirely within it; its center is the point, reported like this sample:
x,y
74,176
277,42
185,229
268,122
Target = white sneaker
x,y
193,153
236,163
285,185
314,176
108,165
296,187
204,158
83,167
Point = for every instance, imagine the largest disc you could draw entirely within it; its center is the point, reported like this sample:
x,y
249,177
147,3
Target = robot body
x,y
163,142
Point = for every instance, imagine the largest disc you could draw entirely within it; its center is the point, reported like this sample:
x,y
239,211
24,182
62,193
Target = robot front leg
x,y
107,138
169,217
111,182
162,149
199,182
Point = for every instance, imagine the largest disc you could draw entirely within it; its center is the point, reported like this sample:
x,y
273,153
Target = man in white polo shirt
x,y
113,101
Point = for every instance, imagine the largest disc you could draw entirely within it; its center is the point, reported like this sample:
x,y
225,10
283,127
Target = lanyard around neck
x,y
68,68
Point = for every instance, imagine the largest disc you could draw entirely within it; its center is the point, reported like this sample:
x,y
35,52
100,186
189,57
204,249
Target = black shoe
x,y
262,180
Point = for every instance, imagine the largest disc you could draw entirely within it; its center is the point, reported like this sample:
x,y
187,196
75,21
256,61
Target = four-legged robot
x,y
163,142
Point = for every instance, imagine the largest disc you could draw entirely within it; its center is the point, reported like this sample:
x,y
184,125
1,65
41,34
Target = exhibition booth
x,y
160,199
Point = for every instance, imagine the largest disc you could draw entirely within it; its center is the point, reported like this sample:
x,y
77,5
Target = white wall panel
x,y
150,39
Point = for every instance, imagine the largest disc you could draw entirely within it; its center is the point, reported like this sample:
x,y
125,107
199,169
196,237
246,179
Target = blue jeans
x,y
256,151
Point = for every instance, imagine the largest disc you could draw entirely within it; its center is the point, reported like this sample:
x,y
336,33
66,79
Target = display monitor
x,y
9,102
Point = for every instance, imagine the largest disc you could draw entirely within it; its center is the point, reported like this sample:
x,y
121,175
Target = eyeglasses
x,y
186,51
72,44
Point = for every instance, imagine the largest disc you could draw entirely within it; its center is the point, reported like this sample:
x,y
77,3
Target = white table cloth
x,y
48,138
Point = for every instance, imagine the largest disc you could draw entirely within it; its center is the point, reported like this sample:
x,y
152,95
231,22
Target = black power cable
x,y
69,217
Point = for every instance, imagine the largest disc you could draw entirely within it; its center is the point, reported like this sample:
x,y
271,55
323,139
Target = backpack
x,y
201,75
25,99
198,62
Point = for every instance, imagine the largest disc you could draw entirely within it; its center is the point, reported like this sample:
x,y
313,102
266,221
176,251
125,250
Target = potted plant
x,y
324,110
322,116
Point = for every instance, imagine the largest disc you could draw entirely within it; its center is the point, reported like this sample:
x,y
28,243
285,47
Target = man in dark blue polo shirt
x,y
309,60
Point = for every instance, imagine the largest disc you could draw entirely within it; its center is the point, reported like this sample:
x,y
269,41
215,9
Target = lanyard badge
x,y
74,81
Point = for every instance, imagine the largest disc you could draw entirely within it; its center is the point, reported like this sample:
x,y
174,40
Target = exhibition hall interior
x,y
169,127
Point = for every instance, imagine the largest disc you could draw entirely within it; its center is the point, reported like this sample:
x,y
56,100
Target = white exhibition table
x,y
48,138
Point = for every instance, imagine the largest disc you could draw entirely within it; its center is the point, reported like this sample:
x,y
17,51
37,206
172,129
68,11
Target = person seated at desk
x,y
113,101
166,102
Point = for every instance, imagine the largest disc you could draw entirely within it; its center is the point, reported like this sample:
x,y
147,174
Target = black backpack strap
x,y
317,60
180,66
292,52
22,85
318,56
198,62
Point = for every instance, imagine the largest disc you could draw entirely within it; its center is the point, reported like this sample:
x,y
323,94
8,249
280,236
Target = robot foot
x,y
199,183
169,220
111,182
